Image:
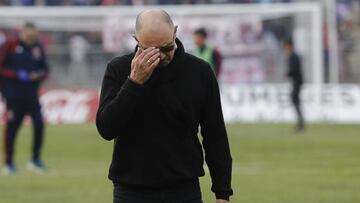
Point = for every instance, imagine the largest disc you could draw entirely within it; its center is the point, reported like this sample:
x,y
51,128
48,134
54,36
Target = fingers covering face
x,y
154,64
148,59
147,54
153,58
138,52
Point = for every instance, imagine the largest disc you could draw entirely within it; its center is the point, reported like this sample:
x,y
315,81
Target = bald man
x,y
152,103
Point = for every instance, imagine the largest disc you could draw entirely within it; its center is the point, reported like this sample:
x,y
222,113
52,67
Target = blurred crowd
x,y
68,49
124,2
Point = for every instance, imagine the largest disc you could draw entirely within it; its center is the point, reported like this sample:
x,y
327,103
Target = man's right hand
x,y
143,64
23,75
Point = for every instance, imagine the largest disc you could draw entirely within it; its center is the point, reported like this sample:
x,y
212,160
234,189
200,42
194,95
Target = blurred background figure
x,y
23,69
78,50
205,52
295,74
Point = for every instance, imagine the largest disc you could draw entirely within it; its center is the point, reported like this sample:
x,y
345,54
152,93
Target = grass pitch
x,y
270,165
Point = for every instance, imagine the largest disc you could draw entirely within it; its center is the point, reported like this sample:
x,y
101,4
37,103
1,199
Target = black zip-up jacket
x,y
294,71
26,58
155,125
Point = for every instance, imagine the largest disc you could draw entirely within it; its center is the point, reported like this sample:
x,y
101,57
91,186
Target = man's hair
x,y
29,25
201,31
164,16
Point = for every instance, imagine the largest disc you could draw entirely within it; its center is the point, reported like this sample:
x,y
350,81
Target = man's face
x,y
199,40
164,41
29,35
287,47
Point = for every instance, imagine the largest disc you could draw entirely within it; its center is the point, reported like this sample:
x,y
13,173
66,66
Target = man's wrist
x,y
222,196
132,87
134,80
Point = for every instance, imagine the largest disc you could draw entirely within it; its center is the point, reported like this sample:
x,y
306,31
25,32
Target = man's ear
x,y
134,36
175,29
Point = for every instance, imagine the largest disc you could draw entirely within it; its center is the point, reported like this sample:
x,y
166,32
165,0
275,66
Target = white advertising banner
x,y
272,103
65,106
242,102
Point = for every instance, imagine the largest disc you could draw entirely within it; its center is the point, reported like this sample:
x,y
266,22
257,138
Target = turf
x,y
270,165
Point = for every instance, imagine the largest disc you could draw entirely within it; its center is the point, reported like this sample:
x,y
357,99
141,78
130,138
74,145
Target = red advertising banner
x,y
66,106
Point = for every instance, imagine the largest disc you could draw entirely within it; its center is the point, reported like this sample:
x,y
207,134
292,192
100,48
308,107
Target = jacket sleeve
x,y
117,103
215,141
294,66
5,70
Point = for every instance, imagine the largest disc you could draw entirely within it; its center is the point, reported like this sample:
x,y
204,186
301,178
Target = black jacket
x,y
20,57
294,71
155,126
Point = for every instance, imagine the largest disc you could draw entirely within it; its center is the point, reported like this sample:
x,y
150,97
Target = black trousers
x,y
295,98
15,112
185,193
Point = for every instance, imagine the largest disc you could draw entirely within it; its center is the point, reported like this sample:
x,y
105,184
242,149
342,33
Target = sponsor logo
x,y
63,106
36,52
19,49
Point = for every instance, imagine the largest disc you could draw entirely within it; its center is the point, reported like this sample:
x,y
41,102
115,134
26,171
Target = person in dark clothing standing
x,y
152,103
295,74
23,69
206,53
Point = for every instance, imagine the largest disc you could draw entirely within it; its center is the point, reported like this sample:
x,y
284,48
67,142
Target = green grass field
x,y
271,165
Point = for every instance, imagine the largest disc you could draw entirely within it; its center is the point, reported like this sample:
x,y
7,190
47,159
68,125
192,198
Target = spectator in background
x,y
85,2
295,74
23,69
54,2
79,67
5,2
208,54
27,2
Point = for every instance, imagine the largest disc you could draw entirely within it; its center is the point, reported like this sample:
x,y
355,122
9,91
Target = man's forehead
x,y
155,39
